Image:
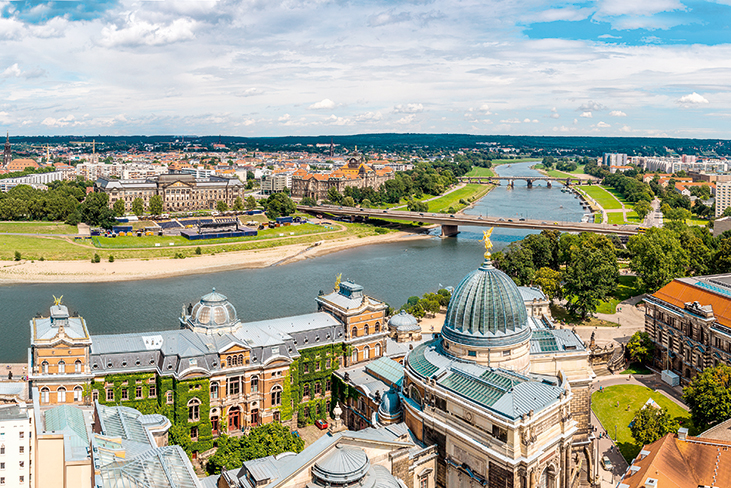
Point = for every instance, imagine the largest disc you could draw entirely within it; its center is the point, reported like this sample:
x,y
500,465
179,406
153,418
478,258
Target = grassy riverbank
x,y
37,228
467,193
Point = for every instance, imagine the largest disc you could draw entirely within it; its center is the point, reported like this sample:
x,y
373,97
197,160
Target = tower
x,y
332,151
7,154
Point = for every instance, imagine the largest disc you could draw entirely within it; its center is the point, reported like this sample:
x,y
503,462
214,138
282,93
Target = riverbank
x,y
140,269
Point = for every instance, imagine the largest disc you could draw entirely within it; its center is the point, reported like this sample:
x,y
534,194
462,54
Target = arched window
x,y
78,394
254,384
277,395
377,327
378,350
306,389
44,367
214,390
414,394
241,359
61,395
366,352
354,332
45,392
355,355
366,329
77,366
194,410
61,366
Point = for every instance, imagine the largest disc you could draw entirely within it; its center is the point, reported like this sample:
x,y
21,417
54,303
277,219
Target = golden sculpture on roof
x,y
488,243
337,281
57,301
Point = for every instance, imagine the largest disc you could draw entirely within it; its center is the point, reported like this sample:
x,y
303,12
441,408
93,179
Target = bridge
x,y
450,222
484,180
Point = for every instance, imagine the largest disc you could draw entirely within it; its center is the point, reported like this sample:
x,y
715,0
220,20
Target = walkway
x,y
628,316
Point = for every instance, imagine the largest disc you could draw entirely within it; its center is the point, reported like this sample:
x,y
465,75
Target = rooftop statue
x,y
488,243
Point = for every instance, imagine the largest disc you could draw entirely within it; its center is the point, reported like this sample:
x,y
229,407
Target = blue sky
x,y
291,67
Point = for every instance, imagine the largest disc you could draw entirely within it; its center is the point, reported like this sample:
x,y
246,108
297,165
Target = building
x,y
215,373
505,399
384,457
179,192
16,427
723,197
356,173
275,183
689,321
614,159
680,461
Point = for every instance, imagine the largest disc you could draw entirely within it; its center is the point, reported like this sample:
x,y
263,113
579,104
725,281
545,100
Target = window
x,y
2,465
366,352
21,435
78,394
306,390
44,367
254,384
110,395
366,329
194,434
194,410
377,328
214,390
44,395
355,355
61,366
77,366
354,332
152,391
318,388
232,386
306,368
2,449
21,449
277,416
277,395
2,480
22,463
169,397
327,386
328,364
472,354
424,481
22,479
60,396
378,350
95,395
125,394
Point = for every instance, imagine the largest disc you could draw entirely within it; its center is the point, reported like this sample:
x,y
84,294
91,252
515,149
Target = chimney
x,y
682,433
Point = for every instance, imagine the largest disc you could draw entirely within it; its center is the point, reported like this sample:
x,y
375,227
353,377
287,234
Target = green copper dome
x,y
486,310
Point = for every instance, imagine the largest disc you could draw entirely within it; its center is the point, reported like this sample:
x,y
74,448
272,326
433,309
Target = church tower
x,y
7,154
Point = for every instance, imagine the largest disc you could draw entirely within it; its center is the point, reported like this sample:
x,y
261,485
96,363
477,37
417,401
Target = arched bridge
x,y
484,180
450,222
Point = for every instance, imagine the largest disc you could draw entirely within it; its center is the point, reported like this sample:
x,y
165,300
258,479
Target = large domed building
x,y
505,398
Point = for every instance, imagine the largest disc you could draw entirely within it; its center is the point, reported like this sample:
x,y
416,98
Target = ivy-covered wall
x,y
185,391
313,360
129,383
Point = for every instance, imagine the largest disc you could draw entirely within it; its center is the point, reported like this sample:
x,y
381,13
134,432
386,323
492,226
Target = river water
x,y
390,272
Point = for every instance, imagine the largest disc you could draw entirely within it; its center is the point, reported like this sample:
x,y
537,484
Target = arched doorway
x,y
234,418
548,478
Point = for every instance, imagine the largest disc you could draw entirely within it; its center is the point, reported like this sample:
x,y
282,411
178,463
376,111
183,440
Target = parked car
x,y
606,463
320,424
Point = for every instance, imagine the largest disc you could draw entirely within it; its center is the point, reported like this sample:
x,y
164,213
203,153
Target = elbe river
x,y
389,272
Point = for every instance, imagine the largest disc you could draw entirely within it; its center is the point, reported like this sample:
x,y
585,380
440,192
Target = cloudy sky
x,y
308,67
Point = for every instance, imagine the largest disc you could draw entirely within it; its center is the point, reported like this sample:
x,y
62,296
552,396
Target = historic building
x,y
179,192
216,373
356,173
689,321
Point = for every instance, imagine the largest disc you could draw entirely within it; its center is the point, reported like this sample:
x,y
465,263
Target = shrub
x,y
179,255
96,258
17,255
381,230
198,250
111,258
41,258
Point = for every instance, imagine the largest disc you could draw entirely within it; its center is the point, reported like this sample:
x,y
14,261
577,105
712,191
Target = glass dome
x,y
213,310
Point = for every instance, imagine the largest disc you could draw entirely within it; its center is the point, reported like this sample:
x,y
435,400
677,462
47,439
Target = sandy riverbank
x,y
134,269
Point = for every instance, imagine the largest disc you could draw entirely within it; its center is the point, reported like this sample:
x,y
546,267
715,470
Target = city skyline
x,y
605,68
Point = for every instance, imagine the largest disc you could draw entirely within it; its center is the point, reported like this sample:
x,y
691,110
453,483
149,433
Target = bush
x,y
17,255
198,250
179,255
41,258
96,258
111,258
381,230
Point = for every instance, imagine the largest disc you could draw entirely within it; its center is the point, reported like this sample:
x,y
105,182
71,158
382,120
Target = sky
x,y
657,68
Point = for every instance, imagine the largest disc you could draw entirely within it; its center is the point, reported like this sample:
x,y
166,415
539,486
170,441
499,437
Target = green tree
x,y
592,275
95,211
138,206
642,209
517,262
726,212
722,259
640,347
334,195
309,202
250,203
678,214
155,205
709,396
238,204
658,257
550,282
650,424
118,208
279,205
221,206
348,202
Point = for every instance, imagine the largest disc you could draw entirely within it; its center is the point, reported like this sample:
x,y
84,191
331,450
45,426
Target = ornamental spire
x,y
488,243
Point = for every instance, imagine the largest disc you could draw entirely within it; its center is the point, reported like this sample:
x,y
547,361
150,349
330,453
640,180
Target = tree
x,y
642,209
138,206
95,211
118,208
155,205
709,396
657,257
650,424
279,205
250,203
348,202
726,212
550,282
238,204
640,347
517,262
678,214
334,195
592,274
309,202
221,206
722,258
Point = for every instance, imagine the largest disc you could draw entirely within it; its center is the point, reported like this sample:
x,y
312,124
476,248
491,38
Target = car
x,y
510,220
421,214
616,225
501,219
522,219
320,424
385,211
607,463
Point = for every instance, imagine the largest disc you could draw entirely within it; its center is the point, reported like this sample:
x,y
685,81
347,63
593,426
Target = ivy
x,y
315,361
184,392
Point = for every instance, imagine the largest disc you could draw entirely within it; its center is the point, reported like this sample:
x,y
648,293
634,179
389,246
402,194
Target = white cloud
x,y
617,113
692,99
142,33
485,109
510,121
322,104
369,116
335,120
554,113
603,125
527,121
586,115
591,106
625,128
409,108
284,118
635,8
62,122
406,119
12,71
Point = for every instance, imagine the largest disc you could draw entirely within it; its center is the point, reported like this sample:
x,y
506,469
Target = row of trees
x,y
429,303
24,202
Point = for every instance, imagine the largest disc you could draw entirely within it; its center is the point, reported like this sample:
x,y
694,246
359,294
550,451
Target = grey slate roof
x,y
530,293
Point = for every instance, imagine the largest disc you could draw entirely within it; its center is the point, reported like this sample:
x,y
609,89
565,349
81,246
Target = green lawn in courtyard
x,y
603,197
598,218
694,221
37,228
625,289
474,191
633,218
604,404
560,314
636,368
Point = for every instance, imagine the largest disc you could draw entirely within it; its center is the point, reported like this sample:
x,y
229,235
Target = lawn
x,y
37,247
633,218
443,203
561,174
37,228
636,368
694,221
478,171
560,314
618,195
605,407
625,289
615,218
603,198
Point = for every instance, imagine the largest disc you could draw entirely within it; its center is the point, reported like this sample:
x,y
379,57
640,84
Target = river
x,y
389,272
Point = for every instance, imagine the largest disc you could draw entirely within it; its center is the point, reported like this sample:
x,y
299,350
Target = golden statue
x,y
57,301
488,243
337,281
